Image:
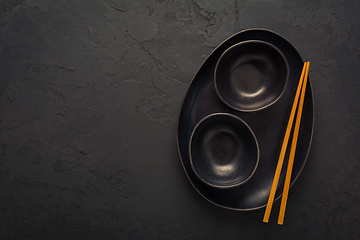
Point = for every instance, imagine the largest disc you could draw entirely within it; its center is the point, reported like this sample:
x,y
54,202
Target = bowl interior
x,y
251,75
223,151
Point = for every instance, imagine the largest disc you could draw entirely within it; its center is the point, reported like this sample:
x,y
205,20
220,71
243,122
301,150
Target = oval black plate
x,y
268,125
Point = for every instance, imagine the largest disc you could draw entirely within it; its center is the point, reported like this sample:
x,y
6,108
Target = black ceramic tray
x,y
268,126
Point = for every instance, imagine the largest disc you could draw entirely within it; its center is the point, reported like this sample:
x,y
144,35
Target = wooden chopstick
x,y
293,149
283,149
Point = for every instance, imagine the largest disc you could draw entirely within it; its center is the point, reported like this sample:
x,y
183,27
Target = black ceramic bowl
x,y
251,75
223,151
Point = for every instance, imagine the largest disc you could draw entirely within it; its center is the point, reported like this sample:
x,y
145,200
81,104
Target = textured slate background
x,y
90,95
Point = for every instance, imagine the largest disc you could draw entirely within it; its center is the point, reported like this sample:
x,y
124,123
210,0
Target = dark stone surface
x,y
90,96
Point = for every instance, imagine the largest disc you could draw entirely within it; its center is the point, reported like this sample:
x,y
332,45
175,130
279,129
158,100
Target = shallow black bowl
x,y
223,151
251,75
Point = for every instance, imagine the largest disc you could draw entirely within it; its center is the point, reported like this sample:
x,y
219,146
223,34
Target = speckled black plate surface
x,y
268,125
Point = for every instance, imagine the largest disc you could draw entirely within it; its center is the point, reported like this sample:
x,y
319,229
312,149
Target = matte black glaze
x,y
223,151
268,126
251,75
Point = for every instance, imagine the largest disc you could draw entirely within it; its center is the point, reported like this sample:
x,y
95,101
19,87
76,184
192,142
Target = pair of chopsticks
x,y
301,87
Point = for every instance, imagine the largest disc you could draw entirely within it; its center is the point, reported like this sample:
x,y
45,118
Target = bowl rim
x,y
244,43
227,115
